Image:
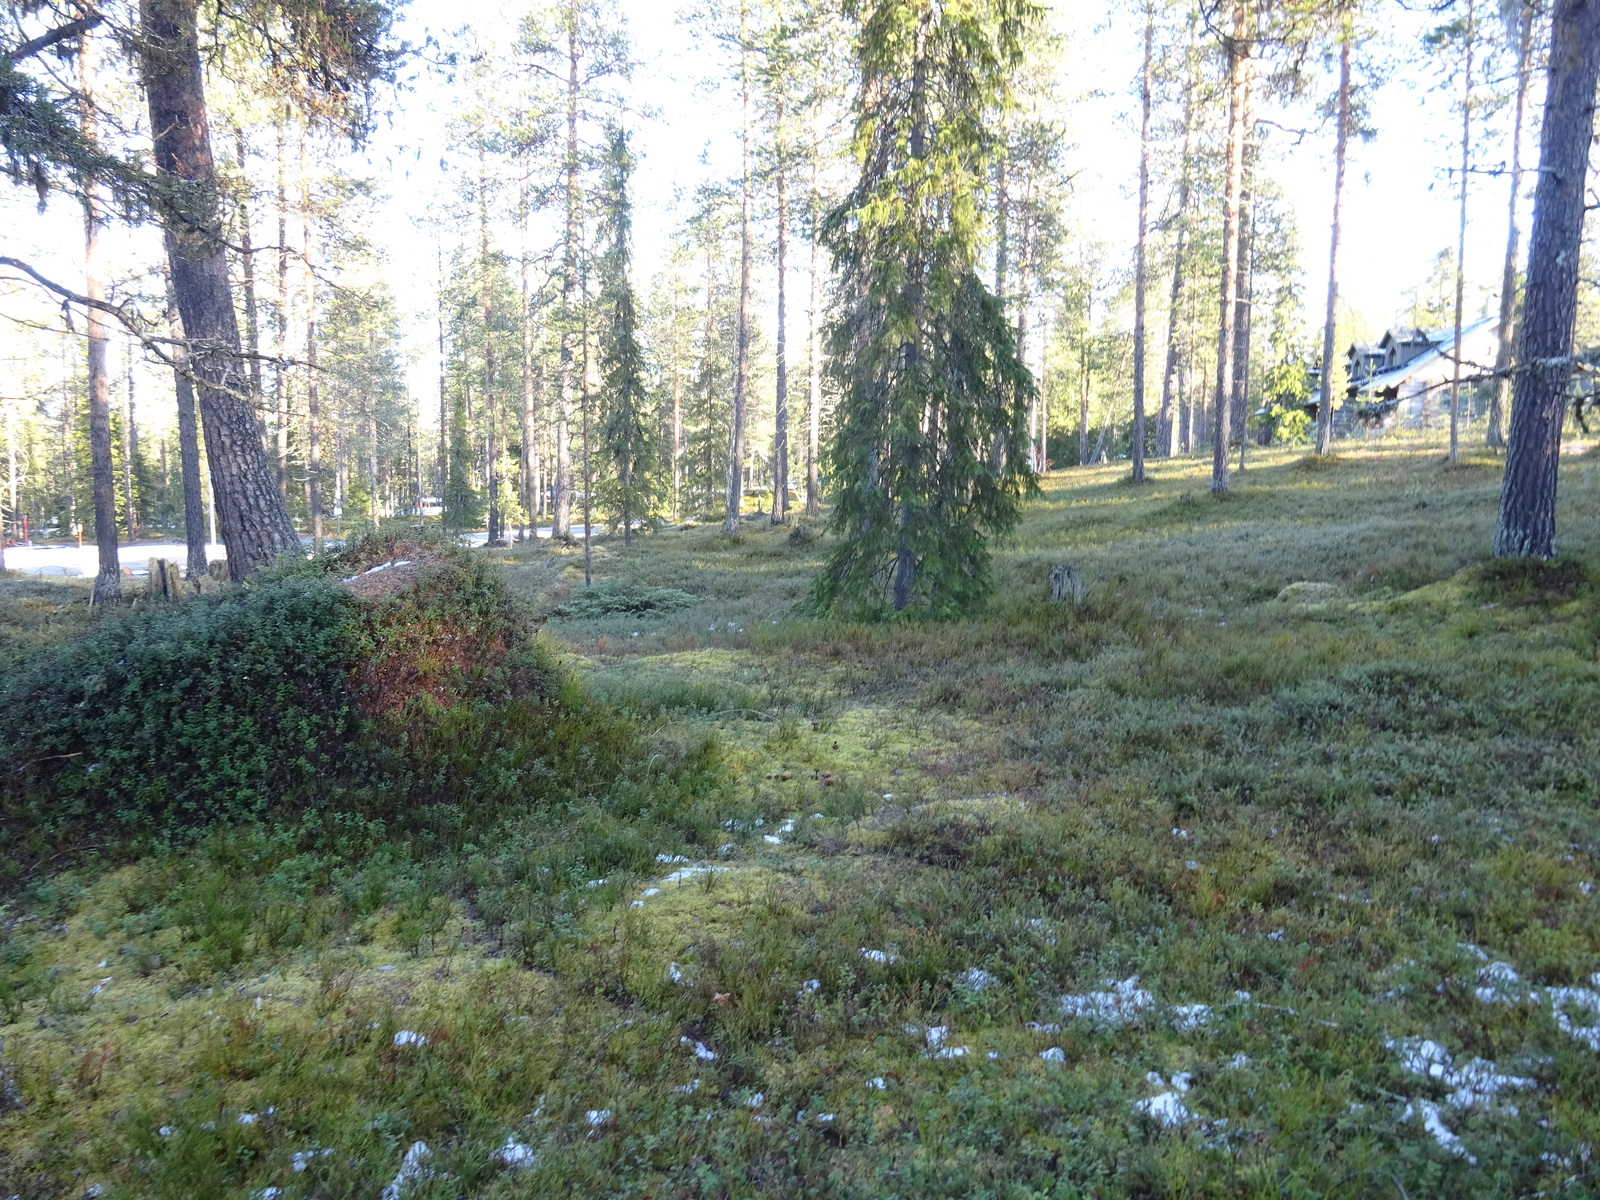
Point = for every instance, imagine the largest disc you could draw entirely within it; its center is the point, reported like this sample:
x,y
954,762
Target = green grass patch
x,y
744,903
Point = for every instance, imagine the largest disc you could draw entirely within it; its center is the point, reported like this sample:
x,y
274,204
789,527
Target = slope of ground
x,y
1271,870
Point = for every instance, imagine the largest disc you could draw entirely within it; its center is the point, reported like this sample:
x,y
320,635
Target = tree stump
x,y
165,581
1066,586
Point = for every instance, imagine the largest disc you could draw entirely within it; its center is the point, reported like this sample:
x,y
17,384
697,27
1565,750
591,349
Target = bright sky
x,y
1399,212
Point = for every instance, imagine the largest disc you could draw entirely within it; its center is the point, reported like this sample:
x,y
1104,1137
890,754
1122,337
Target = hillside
x,y
1269,870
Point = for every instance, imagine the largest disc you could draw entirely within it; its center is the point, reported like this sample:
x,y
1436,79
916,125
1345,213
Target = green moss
x,y
1360,787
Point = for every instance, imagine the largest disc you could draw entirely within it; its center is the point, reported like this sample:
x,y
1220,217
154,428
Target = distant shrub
x,y
624,600
1289,426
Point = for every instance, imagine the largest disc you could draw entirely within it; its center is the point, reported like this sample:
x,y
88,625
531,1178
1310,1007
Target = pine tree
x,y
626,436
1527,525
927,362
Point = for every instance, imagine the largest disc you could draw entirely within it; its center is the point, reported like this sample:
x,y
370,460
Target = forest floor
x,y
1269,871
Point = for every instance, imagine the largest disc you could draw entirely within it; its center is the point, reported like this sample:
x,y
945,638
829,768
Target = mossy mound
x,y
219,707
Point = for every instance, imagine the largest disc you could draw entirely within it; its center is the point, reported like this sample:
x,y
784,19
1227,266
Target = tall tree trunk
x,y
444,381
108,581
372,435
341,465
1083,383
677,413
255,524
247,261
525,463
1340,147
1237,50
1196,374
741,369
1527,525
1167,433
1508,278
1185,409
194,501
1244,305
780,419
1140,271
313,382
588,475
280,371
1044,413
490,409
540,428
569,286
814,398
1002,252
1024,270
130,511
1461,232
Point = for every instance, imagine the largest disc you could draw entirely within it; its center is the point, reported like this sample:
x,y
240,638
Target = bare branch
x,y
59,34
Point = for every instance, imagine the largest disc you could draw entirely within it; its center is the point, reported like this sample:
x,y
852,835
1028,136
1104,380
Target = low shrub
x,y
368,678
635,600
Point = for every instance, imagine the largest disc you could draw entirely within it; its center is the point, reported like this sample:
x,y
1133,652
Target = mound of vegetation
x,y
364,675
632,600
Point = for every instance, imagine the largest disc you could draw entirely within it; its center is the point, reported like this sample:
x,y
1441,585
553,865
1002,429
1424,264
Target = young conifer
x,y
627,435
927,364
463,507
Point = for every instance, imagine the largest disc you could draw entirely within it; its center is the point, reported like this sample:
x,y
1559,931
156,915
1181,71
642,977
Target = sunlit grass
x,y
1314,795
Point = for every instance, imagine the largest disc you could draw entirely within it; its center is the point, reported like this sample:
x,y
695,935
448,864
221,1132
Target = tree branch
x,y
60,34
153,343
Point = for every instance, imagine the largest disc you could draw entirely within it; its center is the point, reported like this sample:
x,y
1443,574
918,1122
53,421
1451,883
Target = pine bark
x,y
1140,267
313,382
194,500
1527,524
588,473
108,581
280,371
490,407
1505,329
741,370
1083,383
525,463
780,419
254,523
371,406
1025,247
444,383
247,262
814,404
1461,233
130,511
1244,305
677,414
1238,60
1340,149
1167,434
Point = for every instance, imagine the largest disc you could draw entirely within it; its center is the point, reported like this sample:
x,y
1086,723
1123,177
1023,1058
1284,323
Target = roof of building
x,y
1441,343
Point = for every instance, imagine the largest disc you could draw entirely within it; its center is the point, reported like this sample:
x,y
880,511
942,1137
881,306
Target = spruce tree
x,y
463,507
626,436
927,364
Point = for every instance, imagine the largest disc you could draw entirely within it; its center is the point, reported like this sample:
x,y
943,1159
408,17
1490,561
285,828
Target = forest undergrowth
x,y
1270,870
